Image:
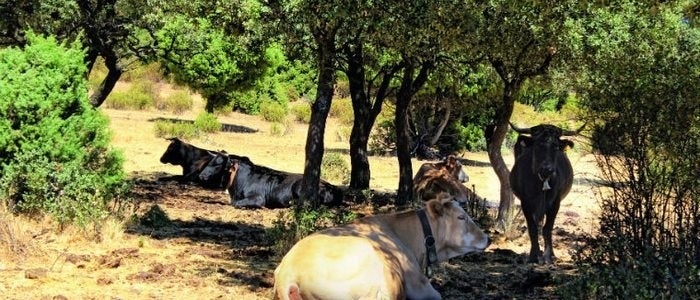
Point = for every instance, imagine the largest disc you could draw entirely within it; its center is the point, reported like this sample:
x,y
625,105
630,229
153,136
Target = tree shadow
x,y
215,231
224,126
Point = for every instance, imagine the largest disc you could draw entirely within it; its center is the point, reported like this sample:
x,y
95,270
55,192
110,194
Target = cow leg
x,y
255,201
548,254
532,231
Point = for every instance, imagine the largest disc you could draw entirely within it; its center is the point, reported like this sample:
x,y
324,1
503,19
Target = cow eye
x,y
462,217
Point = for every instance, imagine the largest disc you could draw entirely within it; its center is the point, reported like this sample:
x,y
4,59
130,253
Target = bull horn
x,y
573,132
520,130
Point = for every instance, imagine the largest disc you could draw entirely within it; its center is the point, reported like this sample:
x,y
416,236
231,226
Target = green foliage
x,y
54,147
204,56
301,112
471,137
646,134
300,222
335,168
140,95
178,101
204,123
282,81
273,111
183,130
207,123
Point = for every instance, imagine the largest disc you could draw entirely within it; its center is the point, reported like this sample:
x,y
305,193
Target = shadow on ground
x,y
224,126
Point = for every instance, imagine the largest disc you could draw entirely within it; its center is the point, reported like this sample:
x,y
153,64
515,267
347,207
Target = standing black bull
x,y
541,177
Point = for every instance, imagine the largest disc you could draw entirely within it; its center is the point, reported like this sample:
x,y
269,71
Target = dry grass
x,y
37,261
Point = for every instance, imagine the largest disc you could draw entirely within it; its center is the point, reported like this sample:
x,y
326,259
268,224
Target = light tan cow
x,y
377,257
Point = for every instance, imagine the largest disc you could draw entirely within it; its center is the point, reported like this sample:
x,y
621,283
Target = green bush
x,y
273,112
302,113
183,130
206,123
139,96
54,147
471,137
335,168
177,102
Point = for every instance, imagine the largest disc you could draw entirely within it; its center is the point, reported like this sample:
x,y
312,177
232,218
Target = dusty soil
x,y
211,250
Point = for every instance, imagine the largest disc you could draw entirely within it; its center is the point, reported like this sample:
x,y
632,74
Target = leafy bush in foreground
x,y
54,147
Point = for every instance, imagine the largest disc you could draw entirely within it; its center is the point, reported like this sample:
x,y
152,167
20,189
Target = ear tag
x,y
545,185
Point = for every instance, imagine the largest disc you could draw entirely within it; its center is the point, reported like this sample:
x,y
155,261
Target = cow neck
x,y
431,252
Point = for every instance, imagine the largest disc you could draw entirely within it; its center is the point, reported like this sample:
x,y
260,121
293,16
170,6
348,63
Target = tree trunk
x,y
495,142
409,86
365,113
442,125
404,193
114,73
319,113
363,120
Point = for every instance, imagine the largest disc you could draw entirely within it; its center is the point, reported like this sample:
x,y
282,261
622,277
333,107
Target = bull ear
x,y
565,145
438,205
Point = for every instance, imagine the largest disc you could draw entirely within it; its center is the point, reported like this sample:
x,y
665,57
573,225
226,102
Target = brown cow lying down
x,y
445,176
377,257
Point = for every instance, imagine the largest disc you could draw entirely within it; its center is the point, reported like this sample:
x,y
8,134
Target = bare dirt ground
x,y
213,251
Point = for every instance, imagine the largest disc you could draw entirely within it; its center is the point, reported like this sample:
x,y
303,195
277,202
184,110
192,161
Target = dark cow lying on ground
x,y
541,177
380,256
253,186
194,161
250,185
445,176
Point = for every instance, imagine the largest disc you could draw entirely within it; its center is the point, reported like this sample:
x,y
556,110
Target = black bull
x,y
248,184
541,177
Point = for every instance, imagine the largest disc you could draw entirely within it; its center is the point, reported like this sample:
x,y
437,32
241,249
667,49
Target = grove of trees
x,y
630,67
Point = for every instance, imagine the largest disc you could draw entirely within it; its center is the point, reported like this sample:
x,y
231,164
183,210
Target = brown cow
x,y
380,256
445,176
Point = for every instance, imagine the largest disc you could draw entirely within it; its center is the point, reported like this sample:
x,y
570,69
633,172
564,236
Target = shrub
x,y
177,102
203,124
139,96
272,112
183,130
55,156
335,168
302,113
206,123
471,137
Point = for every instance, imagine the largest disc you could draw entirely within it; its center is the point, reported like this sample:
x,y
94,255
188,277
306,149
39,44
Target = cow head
x,y
175,154
215,166
456,233
455,168
543,143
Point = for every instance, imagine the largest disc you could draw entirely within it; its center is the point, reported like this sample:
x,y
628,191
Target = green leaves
x,y
54,154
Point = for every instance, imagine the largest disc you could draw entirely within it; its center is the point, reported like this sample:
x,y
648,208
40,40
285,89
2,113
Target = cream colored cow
x,y
377,257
